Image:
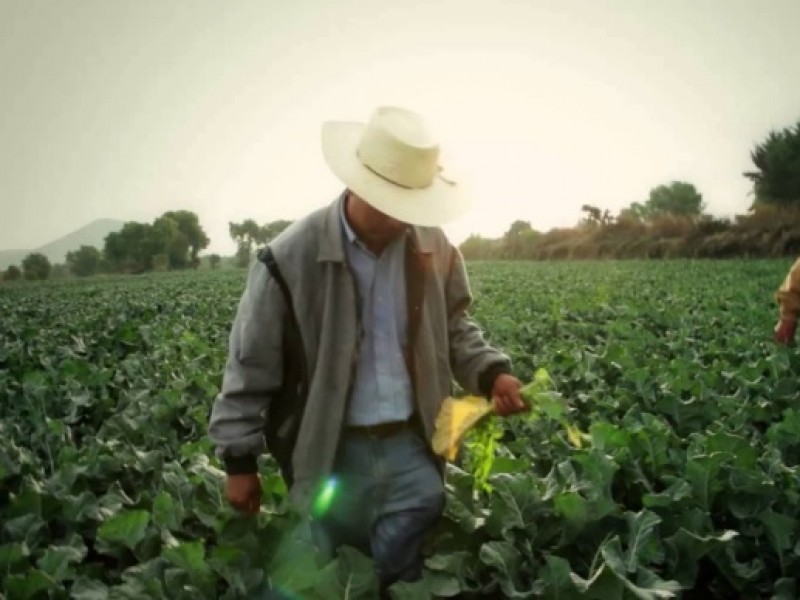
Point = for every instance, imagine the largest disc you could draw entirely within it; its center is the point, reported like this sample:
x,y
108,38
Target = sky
x,y
127,109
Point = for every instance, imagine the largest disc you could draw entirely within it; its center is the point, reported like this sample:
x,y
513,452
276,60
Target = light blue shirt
x,y
382,387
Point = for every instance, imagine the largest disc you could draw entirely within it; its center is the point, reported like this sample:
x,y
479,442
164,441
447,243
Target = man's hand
x,y
244,492
784,331
506,397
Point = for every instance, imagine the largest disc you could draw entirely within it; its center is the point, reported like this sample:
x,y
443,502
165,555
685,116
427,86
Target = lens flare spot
x,y
325,498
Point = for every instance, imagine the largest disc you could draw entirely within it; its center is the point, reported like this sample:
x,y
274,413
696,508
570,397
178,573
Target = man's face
x,y
371,224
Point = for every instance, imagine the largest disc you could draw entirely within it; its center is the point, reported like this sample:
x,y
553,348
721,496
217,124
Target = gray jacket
x,y
444,344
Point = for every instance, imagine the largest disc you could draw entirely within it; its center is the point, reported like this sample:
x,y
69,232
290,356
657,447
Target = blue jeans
x,y
389,494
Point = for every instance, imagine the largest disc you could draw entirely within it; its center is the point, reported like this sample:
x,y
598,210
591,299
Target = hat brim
x,y
440,203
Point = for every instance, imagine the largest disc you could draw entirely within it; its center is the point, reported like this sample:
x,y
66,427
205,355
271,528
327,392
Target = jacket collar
x,y
332,238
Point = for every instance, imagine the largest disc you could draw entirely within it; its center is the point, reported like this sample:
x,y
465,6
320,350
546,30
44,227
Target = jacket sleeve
x,y
253,373
474,362
788,294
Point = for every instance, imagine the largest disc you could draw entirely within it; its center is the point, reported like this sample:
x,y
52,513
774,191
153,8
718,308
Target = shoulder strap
x,y
266,257
285,415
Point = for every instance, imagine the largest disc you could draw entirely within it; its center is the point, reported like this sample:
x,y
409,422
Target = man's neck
x,y
374,247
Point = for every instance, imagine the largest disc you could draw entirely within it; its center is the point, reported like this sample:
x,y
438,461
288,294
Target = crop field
x,y
686,484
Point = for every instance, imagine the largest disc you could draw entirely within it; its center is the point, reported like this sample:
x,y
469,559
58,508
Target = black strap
x,y
286,413
268,259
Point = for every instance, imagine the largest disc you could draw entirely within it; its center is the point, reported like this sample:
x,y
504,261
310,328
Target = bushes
x,y
765,232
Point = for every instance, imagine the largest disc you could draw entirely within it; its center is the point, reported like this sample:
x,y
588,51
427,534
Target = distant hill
x,y
56,251
12,257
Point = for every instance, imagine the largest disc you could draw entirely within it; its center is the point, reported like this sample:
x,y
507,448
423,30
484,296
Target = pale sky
x,y
126,109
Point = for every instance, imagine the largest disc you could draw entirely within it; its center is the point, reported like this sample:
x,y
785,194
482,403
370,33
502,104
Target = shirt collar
x,y
351,235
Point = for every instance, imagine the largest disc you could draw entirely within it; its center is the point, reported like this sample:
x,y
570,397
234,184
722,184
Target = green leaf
x,y
504,558
703,473
456,569
556,579
685,549
88,589
166,512
292,561
30,529
573,507
781,530
29,585
11,555
647,586
644,546
607,437
351,576
677,491
127,527
602,584
431,585
739,574
743,452
189,556
57,561
513,504
785,589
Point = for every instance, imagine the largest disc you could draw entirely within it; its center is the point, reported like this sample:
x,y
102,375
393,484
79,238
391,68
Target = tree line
x,y
670,222
173,241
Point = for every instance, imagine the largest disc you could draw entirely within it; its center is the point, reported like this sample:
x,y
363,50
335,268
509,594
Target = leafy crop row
x,y
686,484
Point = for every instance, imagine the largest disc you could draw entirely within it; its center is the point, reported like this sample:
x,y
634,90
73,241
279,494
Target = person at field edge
x,y
788,297
380,299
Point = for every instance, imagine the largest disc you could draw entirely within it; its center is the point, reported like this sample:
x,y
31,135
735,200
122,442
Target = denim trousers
x,y
388,496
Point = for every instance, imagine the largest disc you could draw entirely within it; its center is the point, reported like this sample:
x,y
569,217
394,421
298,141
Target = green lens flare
x,y
324,499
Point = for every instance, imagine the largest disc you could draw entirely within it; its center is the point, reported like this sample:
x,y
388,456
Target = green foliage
x,y
172,241
776,179
84,261
518,240
686,481
768,231
36,267
678,199
595,217
477,247
13,273
249,234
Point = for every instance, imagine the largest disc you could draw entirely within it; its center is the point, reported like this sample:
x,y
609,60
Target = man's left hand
x,y
506,397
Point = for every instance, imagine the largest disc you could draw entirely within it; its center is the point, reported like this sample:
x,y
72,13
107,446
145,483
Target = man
x,y
788,297
378,298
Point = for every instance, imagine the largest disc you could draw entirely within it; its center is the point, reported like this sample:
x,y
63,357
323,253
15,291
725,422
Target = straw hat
x,y
392,162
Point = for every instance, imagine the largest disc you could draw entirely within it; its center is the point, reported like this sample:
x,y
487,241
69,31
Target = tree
x,y
172,241
636,212
246,235
193,236
214,261
13,273
476,247
131,248
776,179
596,217
679,199
166,241
36,266
273,229
519,240
84,262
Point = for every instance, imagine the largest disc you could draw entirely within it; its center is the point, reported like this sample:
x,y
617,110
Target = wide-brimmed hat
x,y
392,162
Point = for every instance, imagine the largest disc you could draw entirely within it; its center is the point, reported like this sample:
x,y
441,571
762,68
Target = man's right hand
x,y
784,331
244,492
